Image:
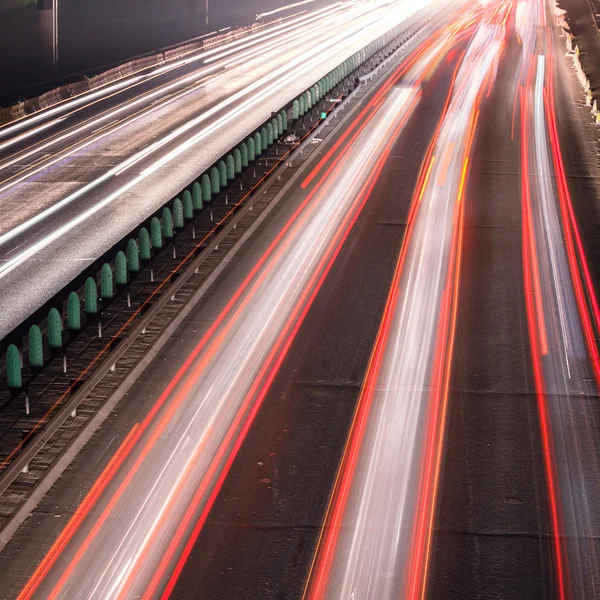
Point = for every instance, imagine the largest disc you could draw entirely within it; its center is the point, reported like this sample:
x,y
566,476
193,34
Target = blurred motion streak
x,y
563,317
341,31
376,536
137,529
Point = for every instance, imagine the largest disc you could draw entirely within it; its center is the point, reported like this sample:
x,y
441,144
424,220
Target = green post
x,y
145,247
215,181
55,340
13,368
283,114
230,167
312,95
237,161
36,347
106,282
188,205
308,100
178,214
133,256
275,128
91,296
258,147
251,150
302,106
156,233
296,110
264,139
279,125
270,134
121,269
244,155
320,87
73,312
197,193
167,223
206,189
222,173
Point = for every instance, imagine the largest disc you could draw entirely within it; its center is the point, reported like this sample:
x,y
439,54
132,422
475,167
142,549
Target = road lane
x,y
555,516
492,536
376,536
123,193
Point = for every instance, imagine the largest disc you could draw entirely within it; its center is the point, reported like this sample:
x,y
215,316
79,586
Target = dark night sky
x,y
98,33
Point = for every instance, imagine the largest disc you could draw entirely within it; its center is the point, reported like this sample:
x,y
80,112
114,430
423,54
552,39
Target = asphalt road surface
x,y
392,391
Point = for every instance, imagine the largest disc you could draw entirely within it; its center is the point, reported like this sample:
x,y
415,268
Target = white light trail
x,y
361,30
366,554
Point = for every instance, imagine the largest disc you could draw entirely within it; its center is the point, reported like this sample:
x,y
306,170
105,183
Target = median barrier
x,y
230,168
197,193
302,110
244,154
264,139
222,168
237,162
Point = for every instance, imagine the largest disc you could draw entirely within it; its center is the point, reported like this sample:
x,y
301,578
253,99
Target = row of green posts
x,y
138,251
310,98
162,228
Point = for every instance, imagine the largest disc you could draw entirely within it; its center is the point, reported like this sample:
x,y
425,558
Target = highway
x,y
77,177
392,391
